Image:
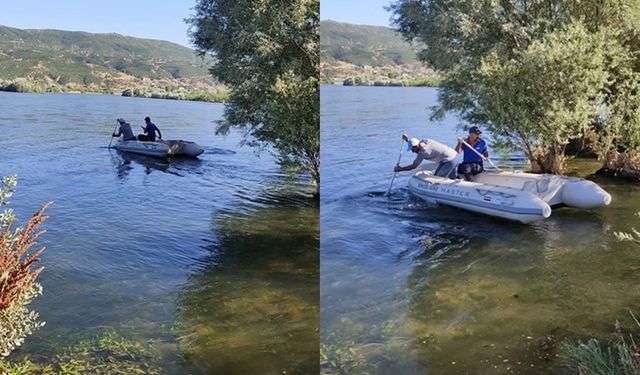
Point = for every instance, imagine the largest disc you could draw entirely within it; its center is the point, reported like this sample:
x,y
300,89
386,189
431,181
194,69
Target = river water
x,y
211,263
410,287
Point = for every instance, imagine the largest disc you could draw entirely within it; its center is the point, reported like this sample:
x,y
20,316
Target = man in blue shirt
x,y
150,131
472,162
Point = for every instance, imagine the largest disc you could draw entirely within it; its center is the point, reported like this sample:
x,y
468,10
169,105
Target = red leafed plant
x,y
16,273
18,286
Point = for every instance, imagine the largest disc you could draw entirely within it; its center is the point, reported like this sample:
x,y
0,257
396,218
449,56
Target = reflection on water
x,y
124,163
411,287
253,303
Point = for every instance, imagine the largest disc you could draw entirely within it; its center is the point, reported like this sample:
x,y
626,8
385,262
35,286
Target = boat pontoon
x,y
524,197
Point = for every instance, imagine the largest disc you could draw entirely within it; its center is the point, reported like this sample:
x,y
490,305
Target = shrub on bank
x,y
18,286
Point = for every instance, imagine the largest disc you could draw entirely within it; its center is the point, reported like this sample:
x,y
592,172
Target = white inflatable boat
x,y
524,197
161,149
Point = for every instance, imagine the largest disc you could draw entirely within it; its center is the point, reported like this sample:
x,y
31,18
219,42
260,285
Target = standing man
x,y
472,162
124,130
150,131
429,149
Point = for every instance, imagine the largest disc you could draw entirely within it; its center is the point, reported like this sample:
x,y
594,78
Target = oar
x,y
114,131
479,154
404,139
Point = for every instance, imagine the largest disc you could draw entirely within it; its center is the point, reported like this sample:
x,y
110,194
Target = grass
x,y
621,356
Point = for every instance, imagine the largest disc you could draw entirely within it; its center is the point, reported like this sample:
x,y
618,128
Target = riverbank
x,y
214,94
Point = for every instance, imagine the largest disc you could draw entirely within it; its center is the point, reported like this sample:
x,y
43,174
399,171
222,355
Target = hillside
x,y
56,60
367,54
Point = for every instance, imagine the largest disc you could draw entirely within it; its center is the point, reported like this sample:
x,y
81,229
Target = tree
x,y
267,51
545,95
491,52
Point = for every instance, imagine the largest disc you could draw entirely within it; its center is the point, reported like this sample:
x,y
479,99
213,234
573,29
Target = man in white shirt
x,y
429,149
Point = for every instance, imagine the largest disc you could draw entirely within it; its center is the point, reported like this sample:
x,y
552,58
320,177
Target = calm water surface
x,y
409,287
211,262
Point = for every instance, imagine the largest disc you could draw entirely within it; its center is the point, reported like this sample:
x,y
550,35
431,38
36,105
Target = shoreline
x,y
191,96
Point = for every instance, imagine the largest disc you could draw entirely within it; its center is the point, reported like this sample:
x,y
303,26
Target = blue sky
x,y
361,12
152,19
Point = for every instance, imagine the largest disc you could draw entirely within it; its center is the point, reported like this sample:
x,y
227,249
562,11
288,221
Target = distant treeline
x,y
201,96
432,81
24,85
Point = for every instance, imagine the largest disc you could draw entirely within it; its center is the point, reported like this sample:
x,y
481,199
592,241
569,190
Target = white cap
x,y
412,143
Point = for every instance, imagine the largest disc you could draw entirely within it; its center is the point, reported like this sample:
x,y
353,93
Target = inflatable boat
x,y
523,197
161,148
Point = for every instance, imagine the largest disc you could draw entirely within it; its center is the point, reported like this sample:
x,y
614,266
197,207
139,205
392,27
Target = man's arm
x,y
409,167
459,145
485,152
159,134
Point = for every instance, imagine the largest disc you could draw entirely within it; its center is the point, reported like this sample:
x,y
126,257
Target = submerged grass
x,y
107,353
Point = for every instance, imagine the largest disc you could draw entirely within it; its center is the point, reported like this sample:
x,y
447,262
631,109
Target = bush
x,y
18,285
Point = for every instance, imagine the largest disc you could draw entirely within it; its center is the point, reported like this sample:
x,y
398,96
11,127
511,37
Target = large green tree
x,y
267,51
537,73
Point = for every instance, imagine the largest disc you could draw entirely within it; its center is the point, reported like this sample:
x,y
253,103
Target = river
x,y
211,264
410,287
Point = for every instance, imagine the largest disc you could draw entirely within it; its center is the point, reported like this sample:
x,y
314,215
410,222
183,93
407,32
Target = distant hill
x,y
369,55
71,60
364,45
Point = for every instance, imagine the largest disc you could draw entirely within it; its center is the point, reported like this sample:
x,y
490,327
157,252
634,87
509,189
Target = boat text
x,y
444,190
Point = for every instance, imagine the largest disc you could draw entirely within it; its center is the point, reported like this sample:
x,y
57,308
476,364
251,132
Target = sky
x,y
150,19
361,12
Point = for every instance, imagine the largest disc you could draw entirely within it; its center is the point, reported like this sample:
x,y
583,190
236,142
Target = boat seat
x,y
545,187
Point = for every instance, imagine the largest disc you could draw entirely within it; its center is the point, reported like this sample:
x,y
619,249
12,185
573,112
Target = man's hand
x,y
397,168
460,139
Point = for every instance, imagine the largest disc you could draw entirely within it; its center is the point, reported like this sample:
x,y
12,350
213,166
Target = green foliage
x,y
546,95
108,353
537,73
620,357
267,52
18,321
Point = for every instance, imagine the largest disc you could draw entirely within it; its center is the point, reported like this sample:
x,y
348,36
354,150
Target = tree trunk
x,y
549,162
620,165
315,177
